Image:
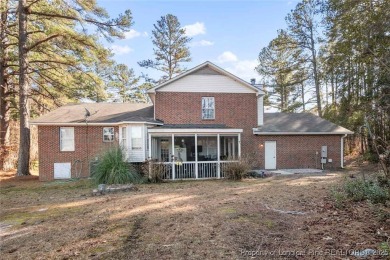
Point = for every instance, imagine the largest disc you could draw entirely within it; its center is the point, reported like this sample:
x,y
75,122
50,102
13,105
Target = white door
x,y
270,155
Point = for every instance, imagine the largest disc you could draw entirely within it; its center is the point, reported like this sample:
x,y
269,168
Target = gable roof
x,y
101,113
212,67
297,123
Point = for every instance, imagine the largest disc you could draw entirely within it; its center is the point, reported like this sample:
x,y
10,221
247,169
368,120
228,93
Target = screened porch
x,y
194,154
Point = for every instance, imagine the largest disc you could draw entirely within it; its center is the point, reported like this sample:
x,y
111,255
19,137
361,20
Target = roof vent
x,y
253,82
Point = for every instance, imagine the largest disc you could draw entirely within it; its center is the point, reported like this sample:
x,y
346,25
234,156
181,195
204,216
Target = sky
x,y
228,33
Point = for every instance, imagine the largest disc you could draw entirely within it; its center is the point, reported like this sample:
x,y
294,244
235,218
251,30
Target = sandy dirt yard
x,y
280,217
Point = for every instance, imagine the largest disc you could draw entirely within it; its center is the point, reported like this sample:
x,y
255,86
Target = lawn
x,y
274,217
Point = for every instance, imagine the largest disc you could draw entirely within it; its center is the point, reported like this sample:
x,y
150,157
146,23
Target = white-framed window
x,y
123,136
136,137
108,134
208,108
66,139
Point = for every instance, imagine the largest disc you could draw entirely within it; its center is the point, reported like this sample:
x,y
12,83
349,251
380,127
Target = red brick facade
x,y
87,147
240,111
299,151
233,110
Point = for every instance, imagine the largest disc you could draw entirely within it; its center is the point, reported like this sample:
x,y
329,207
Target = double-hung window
x,y
136,137
67,139
108,134
124,136
208,108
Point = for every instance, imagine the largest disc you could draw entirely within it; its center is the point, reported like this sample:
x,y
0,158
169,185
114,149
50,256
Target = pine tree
x,y
170,47
281,63
123,83
303,23
56,52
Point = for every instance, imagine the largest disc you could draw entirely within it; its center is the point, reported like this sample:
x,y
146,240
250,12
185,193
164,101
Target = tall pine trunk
x,y
4,104
24,108
315,74
303,96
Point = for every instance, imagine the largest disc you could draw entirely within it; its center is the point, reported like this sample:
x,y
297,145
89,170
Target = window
x,y
208,108
108,134
123,137
66,139
136,138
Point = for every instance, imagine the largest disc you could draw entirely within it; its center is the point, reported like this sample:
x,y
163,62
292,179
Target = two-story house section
x,y
199,122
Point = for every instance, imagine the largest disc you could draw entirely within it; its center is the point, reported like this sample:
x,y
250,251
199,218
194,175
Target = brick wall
x,y
49,149
240,111
300,151
233,110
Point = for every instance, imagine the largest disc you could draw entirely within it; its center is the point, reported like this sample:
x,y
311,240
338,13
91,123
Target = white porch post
x,y
196,156
150,153
173,156
218,157
150,146
239,145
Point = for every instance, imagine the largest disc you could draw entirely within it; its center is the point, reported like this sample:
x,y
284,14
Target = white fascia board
x,y
95,124
255,132
195,131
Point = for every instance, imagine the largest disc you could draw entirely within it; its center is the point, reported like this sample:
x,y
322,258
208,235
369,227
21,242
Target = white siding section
x,y
136,155
260,110
206,83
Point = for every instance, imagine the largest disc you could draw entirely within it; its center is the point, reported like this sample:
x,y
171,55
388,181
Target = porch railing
x,y
194,170
185,170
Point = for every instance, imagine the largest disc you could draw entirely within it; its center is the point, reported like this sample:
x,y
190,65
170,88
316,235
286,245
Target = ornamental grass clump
x,y
112,168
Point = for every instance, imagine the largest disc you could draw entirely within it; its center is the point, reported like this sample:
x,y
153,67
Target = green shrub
x,y
355,189
339,198
112,168
376,194
359,190
383,181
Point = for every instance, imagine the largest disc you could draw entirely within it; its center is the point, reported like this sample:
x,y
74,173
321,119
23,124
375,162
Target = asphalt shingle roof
x,y
298,123
100,113
194,126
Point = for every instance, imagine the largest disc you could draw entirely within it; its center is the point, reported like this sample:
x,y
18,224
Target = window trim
x,y
74,145
113,134
202,115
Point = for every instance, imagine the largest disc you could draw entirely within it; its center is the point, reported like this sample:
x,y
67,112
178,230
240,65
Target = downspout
x,y
342,151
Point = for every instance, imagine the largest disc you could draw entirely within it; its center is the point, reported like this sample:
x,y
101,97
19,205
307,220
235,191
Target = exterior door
x,y
270,155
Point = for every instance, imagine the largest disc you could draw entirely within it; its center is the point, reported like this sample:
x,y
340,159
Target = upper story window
x,y
136,137
66,139
208,108
108,134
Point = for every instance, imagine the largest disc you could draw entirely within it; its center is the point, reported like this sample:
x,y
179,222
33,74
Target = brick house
x,y
199,122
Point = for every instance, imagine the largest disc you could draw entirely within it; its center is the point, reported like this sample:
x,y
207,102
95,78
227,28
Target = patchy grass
x,y
185,219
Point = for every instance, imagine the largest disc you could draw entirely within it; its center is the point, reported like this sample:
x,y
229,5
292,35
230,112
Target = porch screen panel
x,y
207,148
228,147
185,148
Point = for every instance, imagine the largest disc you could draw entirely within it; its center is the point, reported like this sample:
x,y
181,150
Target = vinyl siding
x,y
260,110
137,155
206,83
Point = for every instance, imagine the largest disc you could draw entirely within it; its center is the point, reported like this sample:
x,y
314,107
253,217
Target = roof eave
x,y
93,124
255,132
194,130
